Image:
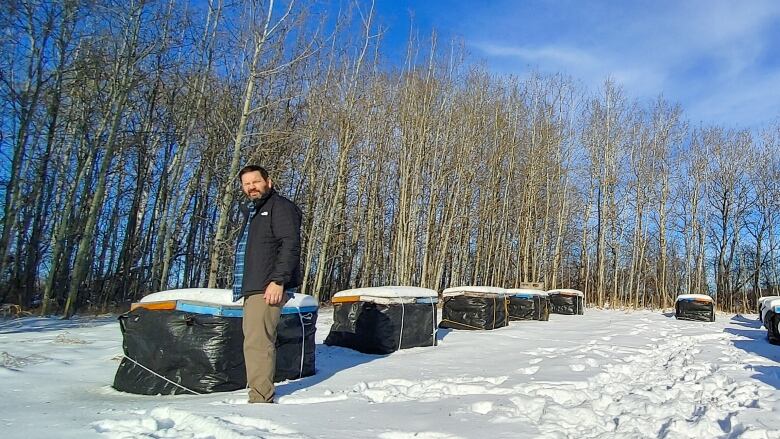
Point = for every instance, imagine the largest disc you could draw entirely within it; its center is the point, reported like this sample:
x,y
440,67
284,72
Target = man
x,y
266,275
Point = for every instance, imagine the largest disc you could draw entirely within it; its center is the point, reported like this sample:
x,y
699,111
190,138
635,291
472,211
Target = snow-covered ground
x,y
605,374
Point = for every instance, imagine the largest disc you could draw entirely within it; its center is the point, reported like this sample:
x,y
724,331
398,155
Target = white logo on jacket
x,y
264,213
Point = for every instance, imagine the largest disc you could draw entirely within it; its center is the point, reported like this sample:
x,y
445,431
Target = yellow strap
x,y
462,324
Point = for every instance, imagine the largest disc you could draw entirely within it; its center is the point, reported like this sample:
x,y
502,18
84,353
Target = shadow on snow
x,y
755,341
45,324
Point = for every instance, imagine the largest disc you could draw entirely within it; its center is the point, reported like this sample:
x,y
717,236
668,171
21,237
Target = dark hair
x,y
253,168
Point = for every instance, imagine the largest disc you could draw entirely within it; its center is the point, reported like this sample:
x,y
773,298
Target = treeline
x,y
124,124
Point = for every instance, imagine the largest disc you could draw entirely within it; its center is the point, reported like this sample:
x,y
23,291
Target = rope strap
x,y
433,319
401,332
303,342
162,377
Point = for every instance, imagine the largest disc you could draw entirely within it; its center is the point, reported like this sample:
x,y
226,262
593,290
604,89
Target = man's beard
x,y
254,195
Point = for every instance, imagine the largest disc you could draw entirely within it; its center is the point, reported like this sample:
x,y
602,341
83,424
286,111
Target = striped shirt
x,y
238,272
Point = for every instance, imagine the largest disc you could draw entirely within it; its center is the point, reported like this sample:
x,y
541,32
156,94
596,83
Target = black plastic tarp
x,y
529,308
295,336
568,304
694,310
374,328
201,352
772,323
474,312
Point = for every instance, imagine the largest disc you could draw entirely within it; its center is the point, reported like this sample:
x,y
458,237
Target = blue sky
x,y
719,59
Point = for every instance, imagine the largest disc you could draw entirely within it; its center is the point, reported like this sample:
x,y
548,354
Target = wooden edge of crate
x,y
158,306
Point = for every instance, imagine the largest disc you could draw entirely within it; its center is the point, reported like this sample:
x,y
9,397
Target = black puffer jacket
x,y
273,249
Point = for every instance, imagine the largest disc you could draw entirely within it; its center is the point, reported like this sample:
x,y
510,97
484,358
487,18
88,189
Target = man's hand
x,y
273,294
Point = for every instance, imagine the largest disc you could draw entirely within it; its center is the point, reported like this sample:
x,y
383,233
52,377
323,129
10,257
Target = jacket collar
x,y
260,202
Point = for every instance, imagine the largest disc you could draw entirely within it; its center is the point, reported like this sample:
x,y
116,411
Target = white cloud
x,y
592,68
564,56
705,54
713,23
746,102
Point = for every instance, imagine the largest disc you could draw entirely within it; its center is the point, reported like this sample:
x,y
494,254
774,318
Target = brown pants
x,y
259,324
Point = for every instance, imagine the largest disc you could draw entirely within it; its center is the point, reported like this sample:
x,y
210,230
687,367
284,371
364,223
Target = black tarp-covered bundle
x,y
381,320
198,348
568,302
769,314
474,308
199,352
374,328
694,307
528,305
772,322
295,344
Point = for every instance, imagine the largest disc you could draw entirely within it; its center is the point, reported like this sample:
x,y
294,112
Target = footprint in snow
x,y
482,407
416,435
528,370
401,390
231,401
299,400
169,422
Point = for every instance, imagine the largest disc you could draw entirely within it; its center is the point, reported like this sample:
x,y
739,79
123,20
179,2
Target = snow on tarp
x,y
567,301
198,347
525,291
381,320
689,297
223,298
207,295
528,304
762,301
388,295
474,307
699,307
567,291
473,290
